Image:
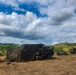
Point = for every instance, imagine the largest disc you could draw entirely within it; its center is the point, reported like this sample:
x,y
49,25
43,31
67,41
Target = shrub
x,y
73,51
1,54
59,51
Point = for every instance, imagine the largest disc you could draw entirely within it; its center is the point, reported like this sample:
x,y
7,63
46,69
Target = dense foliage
x,y
4,47
65,48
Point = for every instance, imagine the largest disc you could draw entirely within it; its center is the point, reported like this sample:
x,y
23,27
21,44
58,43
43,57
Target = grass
x,y
66,47
2,52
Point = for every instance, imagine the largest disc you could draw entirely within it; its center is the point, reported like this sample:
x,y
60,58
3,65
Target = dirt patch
x,y
59,65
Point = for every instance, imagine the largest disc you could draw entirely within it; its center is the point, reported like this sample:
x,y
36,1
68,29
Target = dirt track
x,y
59,65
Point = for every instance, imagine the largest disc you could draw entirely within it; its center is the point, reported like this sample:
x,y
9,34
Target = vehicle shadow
x,y
53,58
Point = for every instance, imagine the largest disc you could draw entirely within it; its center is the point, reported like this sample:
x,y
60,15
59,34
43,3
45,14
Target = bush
x,y
1,54
73,51
59,51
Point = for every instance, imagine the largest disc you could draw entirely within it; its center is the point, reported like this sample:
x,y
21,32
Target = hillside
x,y
64,47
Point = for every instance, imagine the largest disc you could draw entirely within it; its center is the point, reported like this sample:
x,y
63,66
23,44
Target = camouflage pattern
x,y
27,52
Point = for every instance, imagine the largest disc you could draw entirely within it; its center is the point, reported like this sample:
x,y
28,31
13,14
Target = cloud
x,y
59,24
22,26
65,32
19,9
10,2
71,4
61,16
29,27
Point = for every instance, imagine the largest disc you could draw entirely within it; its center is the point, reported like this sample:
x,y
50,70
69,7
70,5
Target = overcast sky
x,y
37,21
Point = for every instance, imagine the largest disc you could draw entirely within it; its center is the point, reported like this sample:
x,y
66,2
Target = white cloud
x,y
10,2
58,26
29,28
55,43
32,25
26,26
71,4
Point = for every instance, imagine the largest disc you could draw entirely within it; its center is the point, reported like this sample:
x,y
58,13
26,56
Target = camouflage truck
x,y
27,52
